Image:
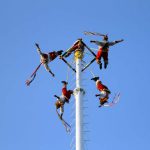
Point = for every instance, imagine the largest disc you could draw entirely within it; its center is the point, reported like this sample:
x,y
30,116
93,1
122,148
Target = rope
x,y
89,69
33,75
88,53
94,49
67,77
68,70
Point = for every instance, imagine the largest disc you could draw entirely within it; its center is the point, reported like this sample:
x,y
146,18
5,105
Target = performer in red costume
x,y
78,45
103,50
46,58
104,91
64,98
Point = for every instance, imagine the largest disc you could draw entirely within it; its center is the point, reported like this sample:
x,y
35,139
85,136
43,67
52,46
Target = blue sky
x,y
27,114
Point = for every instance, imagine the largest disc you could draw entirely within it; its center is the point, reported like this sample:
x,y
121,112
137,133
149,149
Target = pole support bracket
x,y
77,90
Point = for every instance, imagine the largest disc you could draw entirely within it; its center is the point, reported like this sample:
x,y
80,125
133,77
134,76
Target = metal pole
x,y
79,101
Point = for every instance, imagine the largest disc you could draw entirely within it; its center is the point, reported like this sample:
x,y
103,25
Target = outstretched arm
x,y
48,69
115,42
118,41
57,96
98,43
38,49
97,95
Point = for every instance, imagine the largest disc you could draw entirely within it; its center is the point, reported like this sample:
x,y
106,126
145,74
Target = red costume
x,y
50,56
66,93
77,45
104,91
100,86
102,54
103,50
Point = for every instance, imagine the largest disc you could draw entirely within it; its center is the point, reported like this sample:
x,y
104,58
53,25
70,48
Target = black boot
x,y
100,65
105,65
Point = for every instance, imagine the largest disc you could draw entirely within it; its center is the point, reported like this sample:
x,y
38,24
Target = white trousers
x,y
62,99
42,59
103,94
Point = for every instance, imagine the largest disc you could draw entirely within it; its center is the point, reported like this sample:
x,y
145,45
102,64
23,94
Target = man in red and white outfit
x,y
103,50
46,58
64,98
78,45
104,91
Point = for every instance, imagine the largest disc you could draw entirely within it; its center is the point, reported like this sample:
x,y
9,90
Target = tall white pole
x,y
79,102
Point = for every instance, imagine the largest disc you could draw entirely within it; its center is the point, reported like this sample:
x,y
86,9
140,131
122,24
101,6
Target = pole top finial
x,y
78,54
